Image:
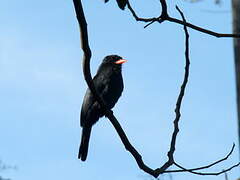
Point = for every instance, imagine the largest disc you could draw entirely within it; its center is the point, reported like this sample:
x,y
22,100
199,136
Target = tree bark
x,y
236,42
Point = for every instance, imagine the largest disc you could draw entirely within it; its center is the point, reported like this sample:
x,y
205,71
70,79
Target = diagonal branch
x,y
87,75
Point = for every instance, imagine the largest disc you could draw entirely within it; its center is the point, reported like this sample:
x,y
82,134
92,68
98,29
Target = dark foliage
x,y
121,3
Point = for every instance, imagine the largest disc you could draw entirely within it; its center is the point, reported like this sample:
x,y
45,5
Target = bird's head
x,y
113,63
114,60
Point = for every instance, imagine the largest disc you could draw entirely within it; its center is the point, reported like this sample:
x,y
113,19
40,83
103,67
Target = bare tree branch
x,y
164,8
207,166
165,17
87,75
207,174
218,35
178,104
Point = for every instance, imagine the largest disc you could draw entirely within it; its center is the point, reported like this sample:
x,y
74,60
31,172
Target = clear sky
x,y
42,88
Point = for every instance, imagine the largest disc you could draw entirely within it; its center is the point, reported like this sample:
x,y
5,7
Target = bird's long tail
x,y
83,149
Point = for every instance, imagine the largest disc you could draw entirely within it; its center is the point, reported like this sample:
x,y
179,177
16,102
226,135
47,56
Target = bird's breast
x,y
114,90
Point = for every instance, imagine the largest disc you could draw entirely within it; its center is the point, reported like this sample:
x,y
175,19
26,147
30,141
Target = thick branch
x,y
87,74
164,8
130,148
84,43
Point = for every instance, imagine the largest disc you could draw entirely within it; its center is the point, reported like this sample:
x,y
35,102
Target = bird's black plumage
x,y
109,85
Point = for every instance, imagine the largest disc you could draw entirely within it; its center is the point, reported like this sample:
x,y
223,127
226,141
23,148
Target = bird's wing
x,y
89,102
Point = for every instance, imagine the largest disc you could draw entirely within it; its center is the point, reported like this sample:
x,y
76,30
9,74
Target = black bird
x,y
109,85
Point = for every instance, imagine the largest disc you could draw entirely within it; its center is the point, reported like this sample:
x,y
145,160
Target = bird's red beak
x,y
120,61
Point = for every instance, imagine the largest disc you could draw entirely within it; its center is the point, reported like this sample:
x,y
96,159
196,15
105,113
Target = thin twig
x,y
138,18
207,174
218,35
179,102
206,166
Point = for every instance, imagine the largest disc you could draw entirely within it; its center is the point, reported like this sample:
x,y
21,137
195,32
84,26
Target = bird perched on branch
x,y
109,85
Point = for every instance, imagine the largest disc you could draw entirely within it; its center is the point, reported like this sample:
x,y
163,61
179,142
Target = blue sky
x,y
42,88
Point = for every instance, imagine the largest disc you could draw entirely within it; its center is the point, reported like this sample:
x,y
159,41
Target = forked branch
x,y
165,17
129,147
